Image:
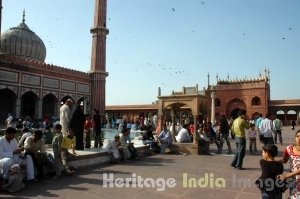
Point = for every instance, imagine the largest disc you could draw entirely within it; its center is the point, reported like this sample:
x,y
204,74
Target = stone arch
x,y
181,114
256,101
174,109
64,99
28,104
7,103
280,114
234,106
291,115
80,101
50,103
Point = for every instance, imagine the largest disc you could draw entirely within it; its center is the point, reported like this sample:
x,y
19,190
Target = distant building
x,y
226,97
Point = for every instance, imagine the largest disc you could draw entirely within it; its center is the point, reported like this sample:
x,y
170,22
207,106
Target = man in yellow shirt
x,y
69,142
239,127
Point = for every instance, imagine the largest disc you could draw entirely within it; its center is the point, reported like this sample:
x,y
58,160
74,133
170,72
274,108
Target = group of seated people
x,y
11,157
157,144
121,148
30,151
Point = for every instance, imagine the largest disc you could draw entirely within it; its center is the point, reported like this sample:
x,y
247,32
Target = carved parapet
x,y
42,66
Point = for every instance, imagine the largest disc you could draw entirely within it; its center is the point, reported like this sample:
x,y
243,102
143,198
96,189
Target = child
x,y
268,182
112,147
252,133
87,130
69,142
15,180
56,146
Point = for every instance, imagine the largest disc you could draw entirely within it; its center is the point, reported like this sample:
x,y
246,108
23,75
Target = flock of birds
x,y
161,69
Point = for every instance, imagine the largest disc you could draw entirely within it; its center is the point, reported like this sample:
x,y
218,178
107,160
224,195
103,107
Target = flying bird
x,y
173,9
283,38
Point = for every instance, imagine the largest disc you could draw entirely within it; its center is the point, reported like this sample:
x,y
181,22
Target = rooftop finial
x,y
23,20
208,83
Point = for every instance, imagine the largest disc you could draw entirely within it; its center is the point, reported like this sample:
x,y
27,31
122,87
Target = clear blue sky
x,y
171,43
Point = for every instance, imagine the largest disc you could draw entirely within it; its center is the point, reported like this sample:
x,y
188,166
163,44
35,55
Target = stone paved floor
x,y
222,180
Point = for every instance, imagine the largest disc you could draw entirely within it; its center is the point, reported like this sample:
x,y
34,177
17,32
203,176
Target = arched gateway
x,y
188,100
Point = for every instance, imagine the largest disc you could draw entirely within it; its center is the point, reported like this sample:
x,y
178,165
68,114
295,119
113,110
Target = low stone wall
x,y
184,148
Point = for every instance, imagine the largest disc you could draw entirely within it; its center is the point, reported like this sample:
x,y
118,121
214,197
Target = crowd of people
x,y
75,130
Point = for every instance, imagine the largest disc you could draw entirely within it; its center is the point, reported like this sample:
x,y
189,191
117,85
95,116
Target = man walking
x,y
267,130
277,124
224,130
238,128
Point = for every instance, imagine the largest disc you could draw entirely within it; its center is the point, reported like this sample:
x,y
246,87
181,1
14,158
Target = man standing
x,y
65,116
9,120
97,128
238,128
224,130
267,130
277,124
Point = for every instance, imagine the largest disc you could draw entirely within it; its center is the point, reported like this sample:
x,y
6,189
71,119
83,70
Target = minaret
x,y
98,72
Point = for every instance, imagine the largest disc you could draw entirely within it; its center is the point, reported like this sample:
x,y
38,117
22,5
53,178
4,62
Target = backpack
x,y
277,124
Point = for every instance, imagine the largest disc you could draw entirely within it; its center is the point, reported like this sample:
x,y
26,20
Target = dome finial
x,y
23,20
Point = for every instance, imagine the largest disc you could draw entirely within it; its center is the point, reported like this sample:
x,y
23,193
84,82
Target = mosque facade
x,y
31,87
226,97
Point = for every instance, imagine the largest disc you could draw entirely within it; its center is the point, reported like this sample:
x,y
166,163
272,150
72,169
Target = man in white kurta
x,y
65,116
10,154
112,147
183,135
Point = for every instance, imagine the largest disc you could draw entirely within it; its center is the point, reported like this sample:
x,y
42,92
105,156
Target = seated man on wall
x,y
112,148
10,154
183,135
203,141
129,149
165,139
148,138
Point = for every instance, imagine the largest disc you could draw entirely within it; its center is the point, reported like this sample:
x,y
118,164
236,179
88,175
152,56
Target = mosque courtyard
x,y
160,176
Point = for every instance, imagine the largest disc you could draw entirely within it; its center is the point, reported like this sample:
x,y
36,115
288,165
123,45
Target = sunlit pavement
x,y
172,176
